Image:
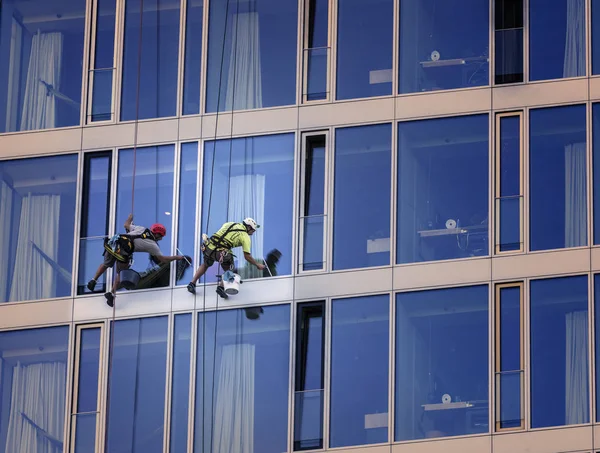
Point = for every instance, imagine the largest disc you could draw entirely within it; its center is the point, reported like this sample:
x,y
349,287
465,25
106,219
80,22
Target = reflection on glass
x,y
187,209
442,189
557,177
359,371
316,73
136,406
312,252
85,436
159,58
102,95
103,64
313,209
250,367
89,363
556,39
153,190
193,57
361,205
33,378
257,61
364,50
180,393
36,258
308,420
443,45
441,363
252,177
41,61
509,211
559,352
508,399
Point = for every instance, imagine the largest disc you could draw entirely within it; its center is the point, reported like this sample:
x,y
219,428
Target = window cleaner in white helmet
x,y
218,248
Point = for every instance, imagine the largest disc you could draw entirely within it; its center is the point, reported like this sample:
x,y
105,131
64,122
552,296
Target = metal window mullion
x,y
492,44
588,38
103,383
175,210
296,206
591,348
199,204
589,174
118,58
291,377
204,58
112,209
168,382
525,177
327,370
332,52
329,200
181,57
393,192
77,221
301,79
392,369
89,63
526,332
72,386
525,41
192,383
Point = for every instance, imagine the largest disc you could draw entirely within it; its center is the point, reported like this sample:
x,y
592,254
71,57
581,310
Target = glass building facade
x,y
427,177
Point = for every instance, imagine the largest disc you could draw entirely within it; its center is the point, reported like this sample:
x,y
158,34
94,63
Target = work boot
x,y
191,288
91,285
221,292
110,299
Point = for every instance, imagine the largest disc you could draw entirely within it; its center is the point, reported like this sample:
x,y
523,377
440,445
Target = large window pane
x,y
257,61
36,258
364,48
188,182
559,352
557,178
243,376
556,39
33,378
596,170
443,45
41,61
361,206
251,177
441,363
153,203
359,371
193,54
180,393
138,368
159,58
442,189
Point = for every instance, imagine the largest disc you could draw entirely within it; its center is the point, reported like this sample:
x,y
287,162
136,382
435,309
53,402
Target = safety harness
x,y
222,240
122,246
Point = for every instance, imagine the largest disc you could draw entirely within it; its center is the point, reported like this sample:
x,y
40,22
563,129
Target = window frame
x,y
304,51
525,49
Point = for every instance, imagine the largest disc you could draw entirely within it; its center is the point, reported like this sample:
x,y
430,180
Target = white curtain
x,y
576,379
575,195
34,277
14,76
37,408
43,77
244,63
234,408
6,202
574,64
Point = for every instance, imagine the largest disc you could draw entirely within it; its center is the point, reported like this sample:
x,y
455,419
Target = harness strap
x,y
217,241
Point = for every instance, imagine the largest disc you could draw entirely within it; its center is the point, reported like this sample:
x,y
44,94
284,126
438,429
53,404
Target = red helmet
x,y
158,228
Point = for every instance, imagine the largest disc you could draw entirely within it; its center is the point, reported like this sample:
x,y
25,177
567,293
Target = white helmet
x,y
248,221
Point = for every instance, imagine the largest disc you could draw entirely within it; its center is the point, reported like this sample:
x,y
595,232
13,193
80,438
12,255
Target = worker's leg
x,y
110,296
108,262
200,272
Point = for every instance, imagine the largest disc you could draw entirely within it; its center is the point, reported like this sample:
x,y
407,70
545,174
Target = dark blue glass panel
x,y
85,437
559,352
308,420
441,358
316,83
251,177
105,34
318,28
137,379
443,45
510,223
159,58
510,328
243,376
193,57
510,156
359,371
509,401
188,182
102,95
312,253
180,393
30,361
89,363
442,189
597,339
37,217
256,64
596,170
557,177
509,56
556,39
595,32
41,63
361,205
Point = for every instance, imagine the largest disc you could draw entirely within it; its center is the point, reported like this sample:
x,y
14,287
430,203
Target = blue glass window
x,y
193,57
188,183
557,177
180,393
252,177
103,62
137,379
359,371
443,45
36,258
244,375
442,189
361,205
153,203
316,50
257,61
509,41
41,61
32,360
442,363
556,39
364,48
559,352
159,59
596,169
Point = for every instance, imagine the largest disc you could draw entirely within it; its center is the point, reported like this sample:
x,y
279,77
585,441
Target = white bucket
x,y
233,287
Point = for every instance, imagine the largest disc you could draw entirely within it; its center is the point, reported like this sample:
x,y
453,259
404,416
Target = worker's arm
x,y
127,223
251,260
168,259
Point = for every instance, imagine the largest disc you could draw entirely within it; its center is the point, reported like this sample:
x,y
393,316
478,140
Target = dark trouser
x,y
224,257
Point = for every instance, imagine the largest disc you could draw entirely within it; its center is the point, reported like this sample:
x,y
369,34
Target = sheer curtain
x,y
34,277
14,76
576,379
244,62
574,64
43,77
36,418
6,202
234,408
575,195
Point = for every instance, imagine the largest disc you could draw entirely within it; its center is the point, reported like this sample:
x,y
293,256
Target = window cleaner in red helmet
x,y
120,249
218,248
